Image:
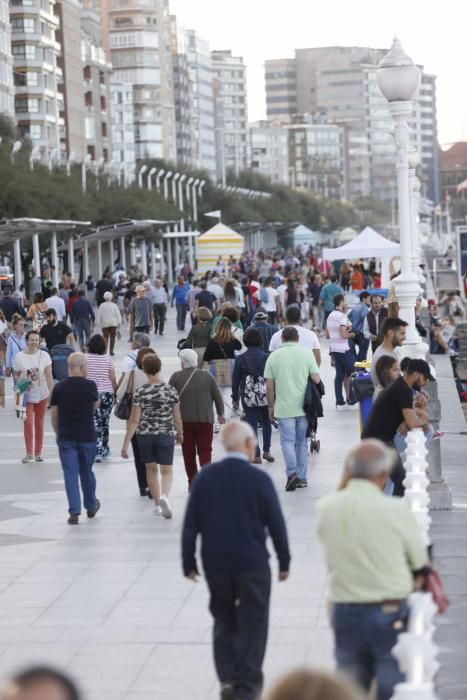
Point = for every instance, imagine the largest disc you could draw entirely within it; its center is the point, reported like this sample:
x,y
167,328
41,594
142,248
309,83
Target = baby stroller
x,y
314,443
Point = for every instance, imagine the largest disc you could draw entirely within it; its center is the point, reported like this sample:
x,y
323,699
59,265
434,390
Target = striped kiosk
x,y
218,241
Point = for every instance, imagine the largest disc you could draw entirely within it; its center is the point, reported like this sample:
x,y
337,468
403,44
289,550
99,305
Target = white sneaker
x,y
157,511
165,507
341,407
352,406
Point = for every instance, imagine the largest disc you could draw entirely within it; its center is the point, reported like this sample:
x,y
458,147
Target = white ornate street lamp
x,y
398,79
414,187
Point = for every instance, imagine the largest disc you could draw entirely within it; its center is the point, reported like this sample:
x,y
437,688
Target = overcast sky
x,y
433,34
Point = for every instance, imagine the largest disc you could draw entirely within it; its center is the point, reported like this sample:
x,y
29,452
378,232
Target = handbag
x,y
123,408
434,585
222,369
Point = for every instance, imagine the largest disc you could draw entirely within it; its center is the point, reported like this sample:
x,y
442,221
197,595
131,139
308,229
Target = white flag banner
x,y
214,214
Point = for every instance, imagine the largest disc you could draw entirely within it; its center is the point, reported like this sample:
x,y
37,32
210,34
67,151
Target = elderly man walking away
x,y
197,392
287,372
235,559
73,402
376,556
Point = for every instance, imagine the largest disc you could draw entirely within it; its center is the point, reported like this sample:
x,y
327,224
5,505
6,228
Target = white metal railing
x,y
415,650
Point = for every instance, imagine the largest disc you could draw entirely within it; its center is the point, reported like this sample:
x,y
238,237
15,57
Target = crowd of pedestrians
x,y
249,362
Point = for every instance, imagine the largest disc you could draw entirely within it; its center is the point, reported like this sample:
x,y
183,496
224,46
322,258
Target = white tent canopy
x,y
368,244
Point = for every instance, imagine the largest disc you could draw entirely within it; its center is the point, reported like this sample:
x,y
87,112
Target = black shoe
x,y
73,519
143,492
227,691
302,484
92,513
292,482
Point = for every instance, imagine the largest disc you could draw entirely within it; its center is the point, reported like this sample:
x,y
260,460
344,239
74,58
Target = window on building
x,y
104,130
103,103
26,25
87,72
105,154
35,131
88,98
21,105
92,152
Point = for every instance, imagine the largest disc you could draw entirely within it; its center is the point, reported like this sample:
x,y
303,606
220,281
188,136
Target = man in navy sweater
x,y
234,506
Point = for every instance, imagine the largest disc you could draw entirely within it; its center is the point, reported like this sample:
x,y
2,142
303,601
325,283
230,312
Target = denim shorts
x,y
157,448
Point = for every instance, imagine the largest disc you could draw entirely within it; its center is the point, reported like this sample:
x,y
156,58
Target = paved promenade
x,y
106,600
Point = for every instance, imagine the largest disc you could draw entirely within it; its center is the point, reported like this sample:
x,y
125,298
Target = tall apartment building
x,y
96,97
37,73
317,158
183,97
201,78
123,123
230,91
340,83
139,37
269,151
6,63
72,111
281,89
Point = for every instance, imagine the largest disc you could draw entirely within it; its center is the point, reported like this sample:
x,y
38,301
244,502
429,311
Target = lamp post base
x,y
408,289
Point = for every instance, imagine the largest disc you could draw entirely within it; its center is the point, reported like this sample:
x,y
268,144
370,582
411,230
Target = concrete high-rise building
x,y
230,93
140,48
37,73
340,84
281,89
269,151
201,77
317,158
96,72
72,113
6,63
123,124
85,85
183,97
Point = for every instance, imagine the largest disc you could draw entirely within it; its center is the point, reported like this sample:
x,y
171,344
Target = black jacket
x,y
312,404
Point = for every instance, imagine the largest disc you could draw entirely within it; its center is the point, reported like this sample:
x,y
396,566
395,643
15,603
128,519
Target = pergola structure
x,y
80,238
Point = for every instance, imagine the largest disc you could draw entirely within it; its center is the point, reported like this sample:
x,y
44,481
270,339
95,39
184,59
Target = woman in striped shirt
x,y
101,370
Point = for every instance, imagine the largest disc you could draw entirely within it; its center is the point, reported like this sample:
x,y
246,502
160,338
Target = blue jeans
x,y
364,639
77,460
253,414
82,328
344,362
292,433
182,310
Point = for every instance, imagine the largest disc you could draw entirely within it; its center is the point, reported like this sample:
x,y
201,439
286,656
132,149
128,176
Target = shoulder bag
x,y
124,406
186,383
